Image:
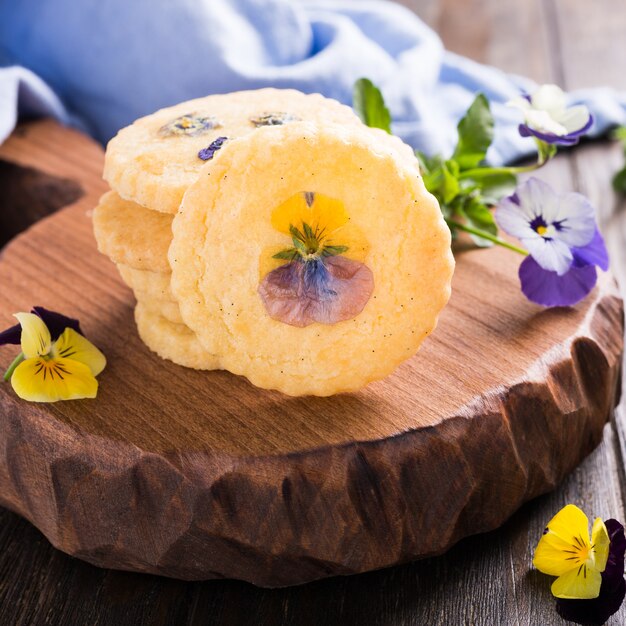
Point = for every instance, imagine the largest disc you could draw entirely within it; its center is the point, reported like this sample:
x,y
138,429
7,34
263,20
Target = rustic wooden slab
x,y
199,475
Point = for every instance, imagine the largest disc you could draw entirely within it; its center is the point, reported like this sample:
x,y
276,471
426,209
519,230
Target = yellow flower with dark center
x,y
321,276
48,371
566,551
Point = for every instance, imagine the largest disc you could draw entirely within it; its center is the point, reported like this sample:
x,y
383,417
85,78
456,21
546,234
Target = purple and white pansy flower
x,y
548,118
562,238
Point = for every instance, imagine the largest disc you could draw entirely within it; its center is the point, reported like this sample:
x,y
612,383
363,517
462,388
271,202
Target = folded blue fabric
x,y
111,62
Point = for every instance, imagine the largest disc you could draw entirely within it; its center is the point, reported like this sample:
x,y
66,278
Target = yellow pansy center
x,y
542,230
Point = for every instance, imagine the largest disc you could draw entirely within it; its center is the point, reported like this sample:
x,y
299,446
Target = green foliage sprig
x,y
465,185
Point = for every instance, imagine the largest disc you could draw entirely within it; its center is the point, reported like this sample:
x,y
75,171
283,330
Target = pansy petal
x,y
551,254
540,198
549,289
550,98
552,555
294,211
50,380
594,253
11,336
325,291
35,339
328,213
596,611
575,220
71,345
56,322
544,122
575,118
600,542
614,570
581,583
512,219
570,522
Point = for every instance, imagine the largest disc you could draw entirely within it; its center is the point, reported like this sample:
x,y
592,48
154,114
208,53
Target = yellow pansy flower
x,y
565,550
47,370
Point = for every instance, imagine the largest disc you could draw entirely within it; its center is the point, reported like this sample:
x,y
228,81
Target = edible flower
x,y
320,277
548,118
562,238
590,586
206,154
56,362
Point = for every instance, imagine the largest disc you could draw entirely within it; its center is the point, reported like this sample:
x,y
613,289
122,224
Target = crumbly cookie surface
x,y
172,341
155,159
131,235
227,232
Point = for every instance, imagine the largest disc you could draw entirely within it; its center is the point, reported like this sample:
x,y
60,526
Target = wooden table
x,y
484,580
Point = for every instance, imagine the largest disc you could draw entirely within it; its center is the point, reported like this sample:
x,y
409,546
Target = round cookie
x,y
131,235
151,285
329,266
166,309
155,159
172,341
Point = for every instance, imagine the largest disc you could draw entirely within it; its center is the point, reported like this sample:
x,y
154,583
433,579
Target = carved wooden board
x,y
199,475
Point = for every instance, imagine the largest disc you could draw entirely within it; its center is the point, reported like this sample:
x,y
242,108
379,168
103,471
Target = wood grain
x,y
199,475
485,580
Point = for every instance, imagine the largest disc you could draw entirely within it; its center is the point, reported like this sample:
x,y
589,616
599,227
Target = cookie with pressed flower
x,y
149,285
131,235
311,258
165,308
174,342
155,159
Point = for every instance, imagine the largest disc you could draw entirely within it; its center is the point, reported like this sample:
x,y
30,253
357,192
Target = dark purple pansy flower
x,y
560,233
55,322
206,154
324,290
612,591
548,118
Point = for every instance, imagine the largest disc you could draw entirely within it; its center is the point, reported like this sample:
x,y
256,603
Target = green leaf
x,y
449,184
619,181
289,254
369,104
620,133
480,217
334,250
494,188
475,134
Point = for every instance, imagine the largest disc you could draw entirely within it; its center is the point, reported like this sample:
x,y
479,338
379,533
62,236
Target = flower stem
x,y
488,236
18,359
484,172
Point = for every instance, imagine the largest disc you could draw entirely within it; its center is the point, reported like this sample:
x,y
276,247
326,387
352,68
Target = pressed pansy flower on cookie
x,y
321,278
56,362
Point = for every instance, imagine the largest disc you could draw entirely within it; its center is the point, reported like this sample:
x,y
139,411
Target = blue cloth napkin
x,y
105,63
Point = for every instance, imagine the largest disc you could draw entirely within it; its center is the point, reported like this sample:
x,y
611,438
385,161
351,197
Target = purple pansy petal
x,y
614,571
56,322
612,590
593,612
326,291
564,140
206,154
594,253
11,336
549,289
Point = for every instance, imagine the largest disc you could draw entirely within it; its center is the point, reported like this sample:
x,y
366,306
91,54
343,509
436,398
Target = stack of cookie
x,y
149,166
272,234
